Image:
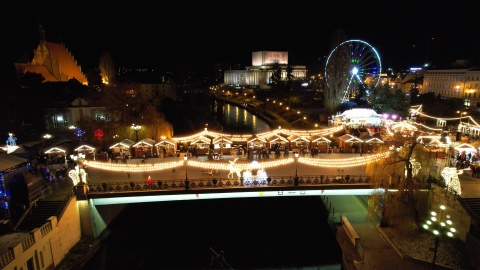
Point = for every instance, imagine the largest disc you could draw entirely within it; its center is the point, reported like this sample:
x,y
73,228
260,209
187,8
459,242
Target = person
x,y
149,181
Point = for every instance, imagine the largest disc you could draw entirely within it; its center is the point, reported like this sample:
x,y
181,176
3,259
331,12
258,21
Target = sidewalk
x,y
378,252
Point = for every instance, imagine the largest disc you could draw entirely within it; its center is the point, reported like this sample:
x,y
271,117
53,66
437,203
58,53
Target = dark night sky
x,y
181,36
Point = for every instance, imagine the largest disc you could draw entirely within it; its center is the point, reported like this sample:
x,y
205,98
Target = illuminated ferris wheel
x,y
355,67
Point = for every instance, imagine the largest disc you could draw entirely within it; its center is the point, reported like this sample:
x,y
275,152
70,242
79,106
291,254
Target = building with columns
x,y
258,75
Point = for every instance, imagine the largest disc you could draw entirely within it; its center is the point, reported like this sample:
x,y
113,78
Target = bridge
x,y
111,186
195,189
326,175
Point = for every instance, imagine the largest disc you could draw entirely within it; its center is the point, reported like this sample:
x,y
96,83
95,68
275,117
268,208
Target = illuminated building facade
x,y
53,61
454,83
258,74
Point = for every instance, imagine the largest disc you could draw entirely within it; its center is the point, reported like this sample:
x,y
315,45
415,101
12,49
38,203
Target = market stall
x,y
404,128
222,145
321,143
56,155
145,148
299,142
122,149
466,149
349,144
201,145
166,147
371,144
87,150
277,139
256,147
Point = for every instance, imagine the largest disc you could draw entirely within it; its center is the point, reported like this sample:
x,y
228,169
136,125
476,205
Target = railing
x,y
40,193
6,258
9,256
261,182
36,195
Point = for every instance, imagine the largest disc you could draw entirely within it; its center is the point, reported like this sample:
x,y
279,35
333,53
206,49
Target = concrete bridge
x,y
111,186
100,203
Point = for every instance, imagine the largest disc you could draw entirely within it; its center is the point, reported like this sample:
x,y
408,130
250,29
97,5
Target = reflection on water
x,y
238,119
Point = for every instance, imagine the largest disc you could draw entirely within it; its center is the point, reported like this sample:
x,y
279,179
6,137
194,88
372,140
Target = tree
x,y
332,99
157,126
107,68
337,83
383,99
405,171
276,76
414,96
31,80
289,71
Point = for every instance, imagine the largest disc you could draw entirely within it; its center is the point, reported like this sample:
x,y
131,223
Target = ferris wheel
x,y
353,66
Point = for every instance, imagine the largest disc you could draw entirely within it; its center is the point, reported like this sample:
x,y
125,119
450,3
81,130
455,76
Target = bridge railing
x,y
271,181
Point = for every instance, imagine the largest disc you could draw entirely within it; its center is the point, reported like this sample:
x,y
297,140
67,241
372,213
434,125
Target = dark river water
x,y
237,119
253,233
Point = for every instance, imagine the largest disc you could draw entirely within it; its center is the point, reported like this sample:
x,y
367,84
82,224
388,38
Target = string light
x,y
316,162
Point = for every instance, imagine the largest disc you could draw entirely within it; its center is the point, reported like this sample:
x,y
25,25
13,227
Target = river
x,y
253,233
237,119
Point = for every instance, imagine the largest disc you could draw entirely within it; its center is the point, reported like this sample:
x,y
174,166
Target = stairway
x,y
39,213
472,205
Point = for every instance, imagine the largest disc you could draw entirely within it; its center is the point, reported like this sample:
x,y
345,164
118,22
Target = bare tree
x,y
333,92
405,171
107,68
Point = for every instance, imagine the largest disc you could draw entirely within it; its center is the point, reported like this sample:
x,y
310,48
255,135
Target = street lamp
x,y
295,180
187,182
439,224
462,114
136,128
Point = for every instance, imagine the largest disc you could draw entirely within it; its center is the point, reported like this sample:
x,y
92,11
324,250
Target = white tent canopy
x,y
360,116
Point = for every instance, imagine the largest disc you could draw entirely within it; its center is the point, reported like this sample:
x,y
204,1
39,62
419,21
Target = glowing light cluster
x,y
450,175
418,111
317,162
263,135
344,162
149,167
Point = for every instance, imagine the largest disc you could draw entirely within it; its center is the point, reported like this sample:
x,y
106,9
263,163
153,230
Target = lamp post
x,y
187,182
135,129
462,114
439,224
295,180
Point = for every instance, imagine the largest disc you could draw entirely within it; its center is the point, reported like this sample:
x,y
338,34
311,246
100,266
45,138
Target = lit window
x,y
60,119
102,118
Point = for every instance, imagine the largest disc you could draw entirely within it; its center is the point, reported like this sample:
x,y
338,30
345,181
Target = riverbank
x,y
255,107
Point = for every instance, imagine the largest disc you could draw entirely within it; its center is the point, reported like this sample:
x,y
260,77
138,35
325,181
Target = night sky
x,y
182,36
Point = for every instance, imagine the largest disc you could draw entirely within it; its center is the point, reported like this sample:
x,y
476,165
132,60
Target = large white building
x,y
258,74
454,83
